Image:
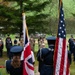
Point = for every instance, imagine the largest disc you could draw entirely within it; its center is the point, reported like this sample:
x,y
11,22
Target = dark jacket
x,y
71,44
8,42
13,71
45,58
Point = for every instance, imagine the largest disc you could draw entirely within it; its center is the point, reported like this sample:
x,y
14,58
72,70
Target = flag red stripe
x,y
24,70
27,51
63,57
56,53
68,65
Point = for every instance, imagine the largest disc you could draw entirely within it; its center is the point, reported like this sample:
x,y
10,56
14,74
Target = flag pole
x,y
61,64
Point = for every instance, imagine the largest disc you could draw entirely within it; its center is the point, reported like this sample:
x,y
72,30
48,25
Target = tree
x,y
35,16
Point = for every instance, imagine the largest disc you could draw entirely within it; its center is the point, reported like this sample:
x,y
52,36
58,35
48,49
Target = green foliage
x,y
12,15
41,15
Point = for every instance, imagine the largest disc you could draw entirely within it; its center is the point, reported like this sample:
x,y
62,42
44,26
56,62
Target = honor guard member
x,y
15,44
71,44
14,66
8,42
45,58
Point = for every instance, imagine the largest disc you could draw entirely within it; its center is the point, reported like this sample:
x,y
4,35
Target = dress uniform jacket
x,y
45,58
11,70
71,44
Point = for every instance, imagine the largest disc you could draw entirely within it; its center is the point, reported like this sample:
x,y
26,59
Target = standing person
x,y
15,44
70,41
38,57
45,58
15,65
32,43
71,46
8,42
1,47
74,51
40,42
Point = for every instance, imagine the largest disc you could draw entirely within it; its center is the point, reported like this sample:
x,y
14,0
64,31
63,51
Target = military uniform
x,y
71,44
8,44
45,58
10,53
72,48
9,68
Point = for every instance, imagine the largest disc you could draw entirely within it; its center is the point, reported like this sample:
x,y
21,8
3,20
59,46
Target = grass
x,y
2,61
3,70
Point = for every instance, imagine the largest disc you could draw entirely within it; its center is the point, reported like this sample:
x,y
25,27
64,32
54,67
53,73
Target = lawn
x,y
2,60
3,70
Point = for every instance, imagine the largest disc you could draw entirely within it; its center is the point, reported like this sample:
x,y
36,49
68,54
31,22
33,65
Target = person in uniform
x,y
15,44
71,44
1,47
71,47
45,57
8,42
14,66
74,50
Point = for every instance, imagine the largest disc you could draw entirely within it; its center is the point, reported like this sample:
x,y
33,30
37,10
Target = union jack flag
x,y
61,65
28,68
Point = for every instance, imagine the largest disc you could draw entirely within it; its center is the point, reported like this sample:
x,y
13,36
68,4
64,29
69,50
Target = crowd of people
x,y
44,54
14,65
8,44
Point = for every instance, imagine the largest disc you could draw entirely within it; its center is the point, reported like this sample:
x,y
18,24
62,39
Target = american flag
x,y
61,65
28,68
